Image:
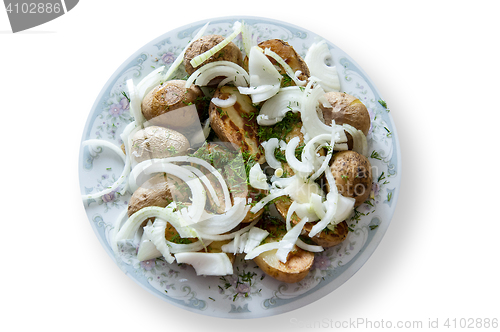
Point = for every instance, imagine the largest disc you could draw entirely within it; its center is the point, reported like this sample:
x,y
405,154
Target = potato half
x,y
157,142
298,262
237,124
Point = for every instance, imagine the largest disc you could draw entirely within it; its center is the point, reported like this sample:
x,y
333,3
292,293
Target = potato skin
x,y
353,175
160,190
167,105
230,52
289,55
298,263
237,124
346,109
157,142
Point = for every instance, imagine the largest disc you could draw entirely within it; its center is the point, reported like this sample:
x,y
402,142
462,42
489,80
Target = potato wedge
x,y
298,263
237,124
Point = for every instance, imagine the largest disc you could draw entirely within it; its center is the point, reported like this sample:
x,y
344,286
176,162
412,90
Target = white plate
x,y
248,293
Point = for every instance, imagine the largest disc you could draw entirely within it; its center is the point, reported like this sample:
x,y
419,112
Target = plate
x,y
248,293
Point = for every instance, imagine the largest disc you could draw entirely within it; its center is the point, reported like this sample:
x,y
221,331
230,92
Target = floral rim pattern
x,y
248,292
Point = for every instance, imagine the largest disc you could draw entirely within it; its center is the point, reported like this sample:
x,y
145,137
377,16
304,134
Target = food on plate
x,y
289,56
298,262
157,142
165,104
233,118
353,175
230,52
278,172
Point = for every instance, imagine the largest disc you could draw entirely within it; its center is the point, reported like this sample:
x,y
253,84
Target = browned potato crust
x,y
158,142
298,262
346,109
166,105
230,52
353,175
237,124
289,55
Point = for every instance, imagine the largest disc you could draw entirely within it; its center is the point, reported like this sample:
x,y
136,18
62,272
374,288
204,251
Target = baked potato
x,y
346,109
230,52
298,262
290,56
353,175
160,190
237,124
157,142
167,105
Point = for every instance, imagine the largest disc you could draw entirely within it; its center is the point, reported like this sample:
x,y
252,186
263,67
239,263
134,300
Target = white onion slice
x,y
206,182
221,223
260,204
257,178
301,168
310,120
207,264
135,103
269,148
160,226
224,103
214,69
149,82
360,144
289,71
133,223
228,236
275,108
301,244
316,59
198,196
265,80
246,242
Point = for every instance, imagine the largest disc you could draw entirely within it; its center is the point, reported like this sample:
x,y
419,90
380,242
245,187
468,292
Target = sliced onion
x,y
227,236
301,168
289,71
262,248
180,58
224,103
260,204
257,178
198,60
316,59
246,242
207,264
218,68
274,110
360,144
133,223
221,223
269,148
310,120
198,196
265,79
206,182
301,244
147,250
135,103
160,226
149,82
249,40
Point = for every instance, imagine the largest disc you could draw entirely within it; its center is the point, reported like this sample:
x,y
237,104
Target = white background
x,y
436,63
